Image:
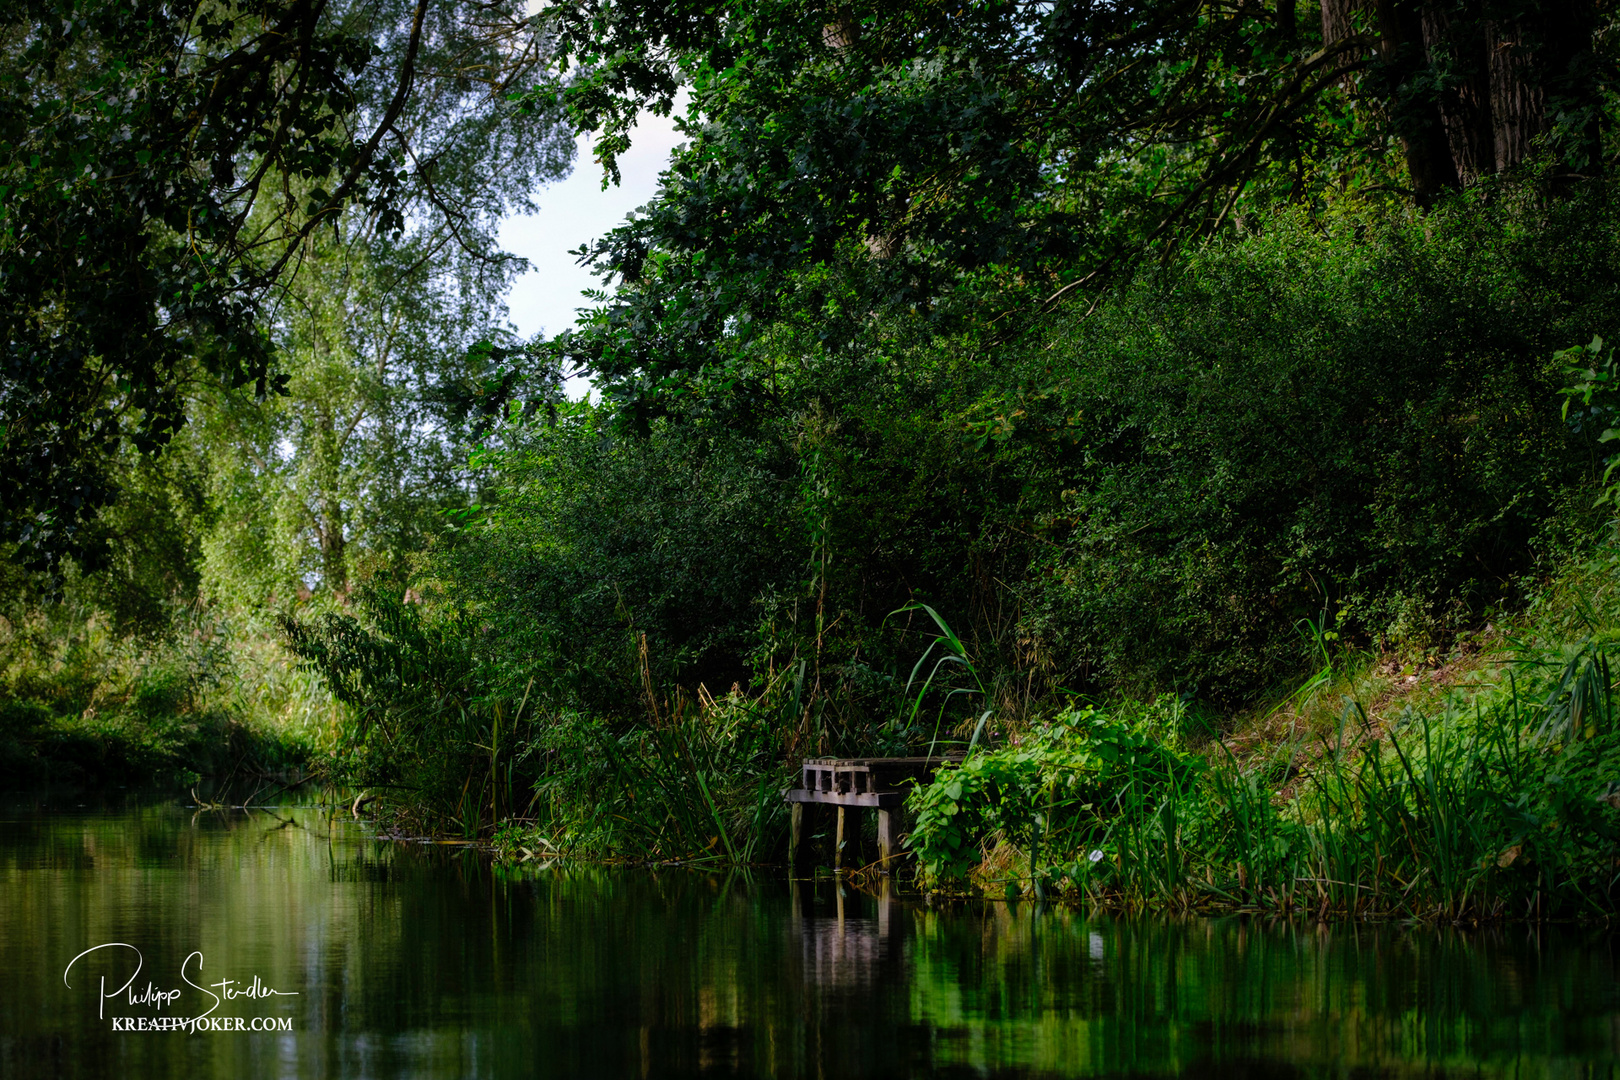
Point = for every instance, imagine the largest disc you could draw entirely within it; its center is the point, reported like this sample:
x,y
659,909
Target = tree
x,y
1471,85
982,161
163,167
376,331
368,444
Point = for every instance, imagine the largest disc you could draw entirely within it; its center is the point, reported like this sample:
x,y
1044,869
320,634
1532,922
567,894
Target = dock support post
x,y
805,820
796,836
838,842
888,836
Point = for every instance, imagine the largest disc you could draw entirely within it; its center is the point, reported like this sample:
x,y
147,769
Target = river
x,y
356,956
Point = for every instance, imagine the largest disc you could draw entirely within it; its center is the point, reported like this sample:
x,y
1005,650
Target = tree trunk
x,y
1518,105
1337,19
326,500
1423,136
1460,49
1469,95
1542,64
334,570
1338,23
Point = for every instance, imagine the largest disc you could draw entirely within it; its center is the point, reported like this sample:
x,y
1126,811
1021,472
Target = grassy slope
x,y
1476,784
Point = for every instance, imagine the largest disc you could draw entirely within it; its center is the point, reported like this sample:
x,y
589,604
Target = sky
x,y
571,213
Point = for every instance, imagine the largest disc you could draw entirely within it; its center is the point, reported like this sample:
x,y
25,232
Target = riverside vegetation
x,y
1244,513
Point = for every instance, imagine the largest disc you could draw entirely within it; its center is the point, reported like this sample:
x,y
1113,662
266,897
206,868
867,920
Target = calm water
x,y
409,960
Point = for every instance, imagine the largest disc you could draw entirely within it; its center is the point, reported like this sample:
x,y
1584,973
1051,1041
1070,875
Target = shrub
x,y
1057,796
1355,424
608,558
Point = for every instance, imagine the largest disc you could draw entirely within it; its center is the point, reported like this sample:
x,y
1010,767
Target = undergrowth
x,y
80,703
1496,796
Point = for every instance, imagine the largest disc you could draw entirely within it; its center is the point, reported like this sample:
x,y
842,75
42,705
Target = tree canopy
x,y
163,168
989,159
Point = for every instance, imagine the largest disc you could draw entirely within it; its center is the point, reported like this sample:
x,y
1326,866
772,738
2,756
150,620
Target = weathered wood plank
x,y
877,783
838,842
888,836
833,798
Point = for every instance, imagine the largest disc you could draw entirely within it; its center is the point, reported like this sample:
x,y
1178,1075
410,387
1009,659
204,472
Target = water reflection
x,y
411,960
847,937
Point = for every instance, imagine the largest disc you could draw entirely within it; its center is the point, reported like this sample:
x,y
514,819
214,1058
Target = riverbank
x,y
81,704
1474,783
175,751
1478,782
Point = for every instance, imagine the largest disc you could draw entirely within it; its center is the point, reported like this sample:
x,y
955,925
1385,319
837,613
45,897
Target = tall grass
x,y
704,786
1496,802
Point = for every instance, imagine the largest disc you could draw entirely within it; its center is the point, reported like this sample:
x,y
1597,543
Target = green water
x,y
400,959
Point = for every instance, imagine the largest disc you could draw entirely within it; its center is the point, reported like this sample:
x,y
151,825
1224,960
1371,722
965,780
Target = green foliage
x,y
352,467
954,652
1346,424
704,786
1496,801
1595,382
429,718
1056,794
609,561
82,702
387,334
979,163
323,371
124,262
836,383
1470,815
452,736
163,168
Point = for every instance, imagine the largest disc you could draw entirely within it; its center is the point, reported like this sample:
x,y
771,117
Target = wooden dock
x,y
879,784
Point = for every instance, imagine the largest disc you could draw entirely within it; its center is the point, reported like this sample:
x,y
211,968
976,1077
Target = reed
x,y
1489,803
702,786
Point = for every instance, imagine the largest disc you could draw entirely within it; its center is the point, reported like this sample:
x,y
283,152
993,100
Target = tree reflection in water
x,y
426,961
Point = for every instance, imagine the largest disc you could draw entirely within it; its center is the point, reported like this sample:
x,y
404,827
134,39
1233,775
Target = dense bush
x,y
79,703
609,560
456,735
1355,425
1354,422
433,720
1056,796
